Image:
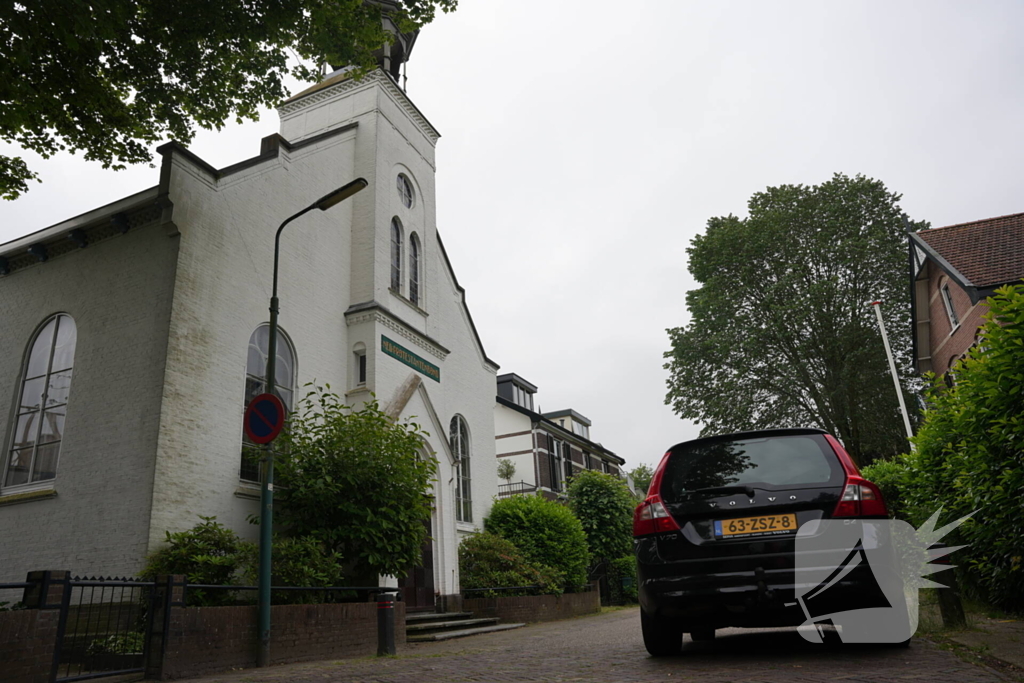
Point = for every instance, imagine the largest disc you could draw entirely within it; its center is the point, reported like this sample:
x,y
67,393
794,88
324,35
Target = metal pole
x,y
892,369
267,488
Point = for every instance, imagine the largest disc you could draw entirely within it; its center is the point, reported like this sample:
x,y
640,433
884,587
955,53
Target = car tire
x,y
662,637
702,634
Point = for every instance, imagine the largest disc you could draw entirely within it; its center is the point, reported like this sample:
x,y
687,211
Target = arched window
x,y
359,365
396,254
458,437
45,384
255,384
414,269
405,191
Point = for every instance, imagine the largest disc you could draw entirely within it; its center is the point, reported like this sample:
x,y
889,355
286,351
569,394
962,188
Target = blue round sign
x,y
264,418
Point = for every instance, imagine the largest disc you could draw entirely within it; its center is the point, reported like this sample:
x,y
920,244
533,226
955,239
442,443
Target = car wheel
x,y
700,634
661,636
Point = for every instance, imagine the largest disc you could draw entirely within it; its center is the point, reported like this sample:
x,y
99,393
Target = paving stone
x,y
609,648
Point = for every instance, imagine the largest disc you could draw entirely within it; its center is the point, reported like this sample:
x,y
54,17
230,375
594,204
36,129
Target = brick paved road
x,y
608,647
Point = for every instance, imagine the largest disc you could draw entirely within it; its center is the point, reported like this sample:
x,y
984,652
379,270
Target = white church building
x,y
133,334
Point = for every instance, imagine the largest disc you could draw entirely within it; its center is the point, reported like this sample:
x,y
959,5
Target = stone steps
x,y
432,626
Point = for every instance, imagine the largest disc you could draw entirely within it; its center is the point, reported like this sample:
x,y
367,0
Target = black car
x,y
715,537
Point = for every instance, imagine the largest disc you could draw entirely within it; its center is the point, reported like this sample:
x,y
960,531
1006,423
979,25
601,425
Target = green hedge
x,y
489,561
969,458
546,532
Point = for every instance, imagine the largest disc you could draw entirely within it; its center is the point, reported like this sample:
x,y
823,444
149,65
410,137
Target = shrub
x,y
210,553
622,580
970,455
122,644
353,479
490,561
604,506
546,532
294,562
206,554
892,478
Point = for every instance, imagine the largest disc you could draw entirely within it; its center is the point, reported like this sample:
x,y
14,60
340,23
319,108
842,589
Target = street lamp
x,y
267,492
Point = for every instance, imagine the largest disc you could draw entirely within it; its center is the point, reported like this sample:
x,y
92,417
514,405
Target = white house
x,y
547,449
134,333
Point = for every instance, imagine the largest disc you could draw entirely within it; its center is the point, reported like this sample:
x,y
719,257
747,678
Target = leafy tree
x,y
110,78
354,481
604,507
642,479
546,532
489,561
780,334
970,456
506,470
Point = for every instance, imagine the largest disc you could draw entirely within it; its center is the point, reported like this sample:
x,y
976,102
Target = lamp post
x,y
877,305
267,491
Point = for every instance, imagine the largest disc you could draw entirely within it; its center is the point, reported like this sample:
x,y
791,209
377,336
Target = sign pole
x,y
267,494
267,491
877,305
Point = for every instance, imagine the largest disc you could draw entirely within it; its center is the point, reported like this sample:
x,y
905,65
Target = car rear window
x,y
774,462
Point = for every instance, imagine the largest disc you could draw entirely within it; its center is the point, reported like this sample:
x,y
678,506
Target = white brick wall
x,y
151,446
118,292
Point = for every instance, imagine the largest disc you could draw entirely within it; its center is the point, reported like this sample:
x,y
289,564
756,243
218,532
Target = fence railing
x,y
330,594
11,595
103,626
512,489
496,591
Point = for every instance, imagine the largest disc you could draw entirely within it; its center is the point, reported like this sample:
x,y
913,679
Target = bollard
x,y
385,624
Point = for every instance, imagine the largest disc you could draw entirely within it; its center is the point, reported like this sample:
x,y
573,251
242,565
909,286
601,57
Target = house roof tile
x,y
988,252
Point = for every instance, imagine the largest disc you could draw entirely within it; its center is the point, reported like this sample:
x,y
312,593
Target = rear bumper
x,y
718,593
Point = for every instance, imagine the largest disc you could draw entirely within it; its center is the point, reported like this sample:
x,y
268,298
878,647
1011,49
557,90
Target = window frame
x,y
947,301
415,269
397,239
459,442
284,343
406,192
32,484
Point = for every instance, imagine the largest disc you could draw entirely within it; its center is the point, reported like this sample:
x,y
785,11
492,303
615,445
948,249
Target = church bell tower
x,y
395,53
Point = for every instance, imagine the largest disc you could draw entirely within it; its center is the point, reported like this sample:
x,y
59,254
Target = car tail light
x,y
860,498
651,517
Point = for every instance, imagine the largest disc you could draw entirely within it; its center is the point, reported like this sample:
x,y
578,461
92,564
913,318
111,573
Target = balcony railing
x,y
519,487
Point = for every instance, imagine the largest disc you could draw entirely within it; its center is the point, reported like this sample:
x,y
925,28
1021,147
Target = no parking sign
x,y
264,418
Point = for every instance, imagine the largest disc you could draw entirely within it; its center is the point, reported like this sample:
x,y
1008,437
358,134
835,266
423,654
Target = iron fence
x,y
11,595
103,627
512,489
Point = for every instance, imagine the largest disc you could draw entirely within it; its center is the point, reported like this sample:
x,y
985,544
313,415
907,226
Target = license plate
x,y
766,525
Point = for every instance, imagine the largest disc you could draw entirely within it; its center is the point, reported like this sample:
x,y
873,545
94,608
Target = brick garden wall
x,y
27,638
205,640
533,608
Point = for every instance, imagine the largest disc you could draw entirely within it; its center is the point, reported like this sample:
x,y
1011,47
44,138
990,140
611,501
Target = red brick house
x,y
954,269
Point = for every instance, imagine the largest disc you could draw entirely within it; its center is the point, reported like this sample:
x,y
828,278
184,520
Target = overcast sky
x,y
584,144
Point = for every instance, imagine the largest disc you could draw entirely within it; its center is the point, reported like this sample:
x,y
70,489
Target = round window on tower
x,y
405,190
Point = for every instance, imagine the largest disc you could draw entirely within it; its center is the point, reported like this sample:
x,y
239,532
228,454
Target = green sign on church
x,y
406,356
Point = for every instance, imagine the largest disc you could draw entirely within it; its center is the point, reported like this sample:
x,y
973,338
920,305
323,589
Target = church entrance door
x,y
418,585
